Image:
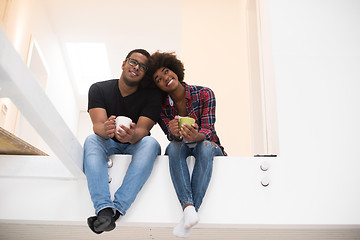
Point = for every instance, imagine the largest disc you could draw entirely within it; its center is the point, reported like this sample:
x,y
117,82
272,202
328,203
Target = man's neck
x,y
125,89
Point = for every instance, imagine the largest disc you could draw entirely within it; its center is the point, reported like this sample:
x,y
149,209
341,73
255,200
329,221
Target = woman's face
x,y
165,79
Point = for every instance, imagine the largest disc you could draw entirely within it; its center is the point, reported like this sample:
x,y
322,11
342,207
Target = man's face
x,y
133,69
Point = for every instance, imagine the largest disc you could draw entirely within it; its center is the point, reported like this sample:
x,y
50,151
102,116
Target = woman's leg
x,y
179,171
204,153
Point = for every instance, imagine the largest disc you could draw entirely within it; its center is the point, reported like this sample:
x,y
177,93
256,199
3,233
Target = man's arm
x,y
102,125
142,129
136,132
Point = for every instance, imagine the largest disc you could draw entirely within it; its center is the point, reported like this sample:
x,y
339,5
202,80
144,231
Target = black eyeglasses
x,y
134,63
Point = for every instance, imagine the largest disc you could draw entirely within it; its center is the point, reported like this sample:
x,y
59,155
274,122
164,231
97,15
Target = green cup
x,y
188,120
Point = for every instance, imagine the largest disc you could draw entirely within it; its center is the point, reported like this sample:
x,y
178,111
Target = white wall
x,y
316,57
215,55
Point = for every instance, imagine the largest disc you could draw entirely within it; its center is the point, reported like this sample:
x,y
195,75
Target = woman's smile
x,y
170,82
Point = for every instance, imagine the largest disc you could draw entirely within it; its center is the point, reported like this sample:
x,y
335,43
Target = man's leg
x,y
96,171
95,167
143,154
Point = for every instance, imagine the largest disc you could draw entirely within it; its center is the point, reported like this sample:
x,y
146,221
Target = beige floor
x,y
9,231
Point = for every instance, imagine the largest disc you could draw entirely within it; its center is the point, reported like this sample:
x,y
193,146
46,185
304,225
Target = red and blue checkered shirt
x,y
200,105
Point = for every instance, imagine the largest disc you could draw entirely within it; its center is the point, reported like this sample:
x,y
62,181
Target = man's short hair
x,y
141,51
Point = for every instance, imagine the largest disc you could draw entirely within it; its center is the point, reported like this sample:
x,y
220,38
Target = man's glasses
x,y
134,63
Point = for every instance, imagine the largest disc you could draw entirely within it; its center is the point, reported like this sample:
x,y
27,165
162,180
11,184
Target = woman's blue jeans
x,y
96,152
191,190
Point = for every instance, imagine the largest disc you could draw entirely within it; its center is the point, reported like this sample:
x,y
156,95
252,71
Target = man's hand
x,y
125,134
109,126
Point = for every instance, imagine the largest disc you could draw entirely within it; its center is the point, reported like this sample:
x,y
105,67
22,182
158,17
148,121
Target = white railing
x,y
19,84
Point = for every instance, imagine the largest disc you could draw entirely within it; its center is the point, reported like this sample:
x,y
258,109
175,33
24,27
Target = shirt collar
x,y
187,94
187,91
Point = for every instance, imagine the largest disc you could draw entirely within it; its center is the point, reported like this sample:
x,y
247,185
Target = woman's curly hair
x,y
168,60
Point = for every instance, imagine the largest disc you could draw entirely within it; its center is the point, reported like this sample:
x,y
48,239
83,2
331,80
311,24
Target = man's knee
x,y
93,138
151,142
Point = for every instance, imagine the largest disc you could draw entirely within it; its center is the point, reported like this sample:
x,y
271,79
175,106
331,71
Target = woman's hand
x,y
174,127
190,133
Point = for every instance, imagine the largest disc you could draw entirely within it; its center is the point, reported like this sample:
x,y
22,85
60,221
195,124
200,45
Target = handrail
x,y
18,83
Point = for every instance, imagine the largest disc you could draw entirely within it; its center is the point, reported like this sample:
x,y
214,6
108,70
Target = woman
x,y
199,139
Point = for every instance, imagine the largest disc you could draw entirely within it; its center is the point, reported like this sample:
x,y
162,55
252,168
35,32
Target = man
x,y
107,100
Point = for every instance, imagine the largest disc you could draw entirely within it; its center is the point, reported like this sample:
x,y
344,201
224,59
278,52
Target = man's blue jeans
x,y
96,152
191,190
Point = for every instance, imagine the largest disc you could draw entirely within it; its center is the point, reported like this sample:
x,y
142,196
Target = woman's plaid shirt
x,y
200,105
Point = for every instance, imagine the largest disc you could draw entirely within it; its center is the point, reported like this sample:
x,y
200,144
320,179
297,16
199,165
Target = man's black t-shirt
x,y
143,102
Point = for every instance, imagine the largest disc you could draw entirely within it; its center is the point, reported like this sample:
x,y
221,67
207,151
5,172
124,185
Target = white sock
x,y
180,231
190,217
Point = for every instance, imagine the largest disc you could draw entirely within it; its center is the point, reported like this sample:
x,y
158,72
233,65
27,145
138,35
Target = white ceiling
x,y
121,25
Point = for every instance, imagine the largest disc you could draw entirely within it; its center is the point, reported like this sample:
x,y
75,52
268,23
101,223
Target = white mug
x,y
122,120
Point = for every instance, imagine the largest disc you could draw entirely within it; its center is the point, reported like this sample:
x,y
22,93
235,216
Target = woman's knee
x,y
206,148
205,145
173,147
